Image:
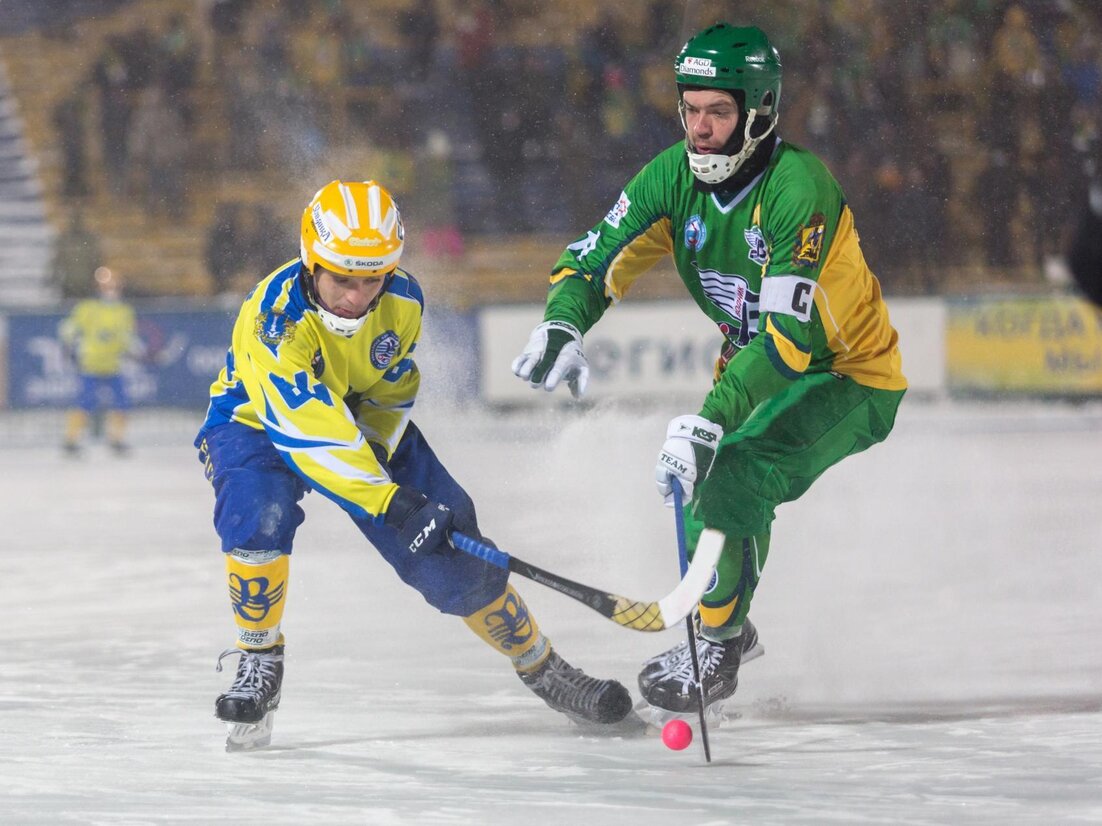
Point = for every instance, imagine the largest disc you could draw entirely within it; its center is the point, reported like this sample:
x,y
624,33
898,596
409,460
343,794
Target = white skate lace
x,y
678,667
255,672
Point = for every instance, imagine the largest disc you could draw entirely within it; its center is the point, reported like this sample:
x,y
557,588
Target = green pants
x,y
784,446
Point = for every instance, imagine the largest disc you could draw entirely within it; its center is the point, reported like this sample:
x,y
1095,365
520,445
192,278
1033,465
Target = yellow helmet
x,y
352,228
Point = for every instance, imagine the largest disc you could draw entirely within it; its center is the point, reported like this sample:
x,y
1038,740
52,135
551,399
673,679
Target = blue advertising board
x,y
183,352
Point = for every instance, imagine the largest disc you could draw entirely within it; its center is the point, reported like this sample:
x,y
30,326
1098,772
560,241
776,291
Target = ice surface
x,y
931,611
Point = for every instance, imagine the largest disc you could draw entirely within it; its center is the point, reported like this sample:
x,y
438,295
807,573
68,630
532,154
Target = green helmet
x,y
739,60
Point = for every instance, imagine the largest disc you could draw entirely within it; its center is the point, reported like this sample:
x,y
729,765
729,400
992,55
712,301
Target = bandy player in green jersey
x,y
809,371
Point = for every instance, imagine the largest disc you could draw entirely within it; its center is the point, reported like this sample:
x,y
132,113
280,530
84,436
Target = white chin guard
x,y
714,169
346,327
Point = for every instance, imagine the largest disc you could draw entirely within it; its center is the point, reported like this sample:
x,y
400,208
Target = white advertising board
x,y
667,349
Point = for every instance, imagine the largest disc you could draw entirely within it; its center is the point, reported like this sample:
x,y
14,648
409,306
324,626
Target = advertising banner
x,y
1031,345
183,352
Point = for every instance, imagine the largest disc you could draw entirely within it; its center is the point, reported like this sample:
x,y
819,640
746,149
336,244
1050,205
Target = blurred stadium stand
x,y
187,135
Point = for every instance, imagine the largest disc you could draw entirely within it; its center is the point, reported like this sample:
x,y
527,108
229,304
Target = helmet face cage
x,y
353,229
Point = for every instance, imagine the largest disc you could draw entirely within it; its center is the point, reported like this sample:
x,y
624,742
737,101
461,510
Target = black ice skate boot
x,y
666,681
584,699
249,705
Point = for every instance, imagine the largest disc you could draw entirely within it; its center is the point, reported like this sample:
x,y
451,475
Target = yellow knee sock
x,y
116,426
506,626
75,423
258,589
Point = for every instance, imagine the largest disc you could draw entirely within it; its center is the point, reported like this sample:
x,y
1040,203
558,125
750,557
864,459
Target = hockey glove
x,y
423,526
690,447
554,353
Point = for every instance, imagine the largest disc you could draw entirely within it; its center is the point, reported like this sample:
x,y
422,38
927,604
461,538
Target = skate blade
x,y
249,736
631,726
656,718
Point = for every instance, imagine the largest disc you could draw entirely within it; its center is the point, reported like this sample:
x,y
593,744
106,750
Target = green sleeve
x,y
749,380
575,301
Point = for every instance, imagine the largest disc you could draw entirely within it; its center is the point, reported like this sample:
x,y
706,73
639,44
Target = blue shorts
x,y
256,508
102,391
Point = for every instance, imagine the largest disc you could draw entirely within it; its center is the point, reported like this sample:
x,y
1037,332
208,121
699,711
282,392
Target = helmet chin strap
x,y
714,168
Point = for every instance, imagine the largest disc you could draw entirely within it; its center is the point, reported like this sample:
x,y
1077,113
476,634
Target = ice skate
x,y
666,681
586,700
248,708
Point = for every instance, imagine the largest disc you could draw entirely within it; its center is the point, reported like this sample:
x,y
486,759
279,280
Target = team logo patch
x,y
759,252
696,233
509,626
254,598
618,211
383,349
712,583
809,242
274,328
732,294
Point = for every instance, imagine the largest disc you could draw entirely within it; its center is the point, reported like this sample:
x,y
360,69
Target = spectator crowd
x,y
958,128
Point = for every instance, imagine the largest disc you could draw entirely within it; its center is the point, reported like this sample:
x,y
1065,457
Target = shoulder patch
x,y
274,328
808,245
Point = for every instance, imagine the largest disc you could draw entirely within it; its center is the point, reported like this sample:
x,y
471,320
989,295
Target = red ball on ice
x,y
677,734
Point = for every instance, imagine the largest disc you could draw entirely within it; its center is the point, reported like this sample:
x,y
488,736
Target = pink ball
x,y
677,734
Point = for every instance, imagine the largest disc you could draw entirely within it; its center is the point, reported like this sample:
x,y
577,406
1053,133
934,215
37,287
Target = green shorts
x,y
784,446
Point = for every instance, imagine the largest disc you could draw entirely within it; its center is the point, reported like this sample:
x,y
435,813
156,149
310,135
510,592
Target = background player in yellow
x,y
317,394
99,334
809,371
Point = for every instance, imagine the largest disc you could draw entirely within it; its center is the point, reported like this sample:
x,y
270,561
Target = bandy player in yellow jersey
x,y
316,394
100,333
809,371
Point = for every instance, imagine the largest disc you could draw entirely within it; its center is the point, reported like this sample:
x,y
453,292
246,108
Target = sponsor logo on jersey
x,y
702,66
732,294
585,246
273,328
383,349
809,241
253,598
759,252
696,233
618,211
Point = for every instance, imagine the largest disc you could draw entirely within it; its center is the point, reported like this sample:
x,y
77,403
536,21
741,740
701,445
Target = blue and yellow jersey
x,y
777,267
100,332
327,402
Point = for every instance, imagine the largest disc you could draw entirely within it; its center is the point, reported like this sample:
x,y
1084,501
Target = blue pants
x,y
102,391
256,508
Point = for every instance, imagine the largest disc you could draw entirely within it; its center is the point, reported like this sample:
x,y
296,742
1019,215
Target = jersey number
x,y
297,394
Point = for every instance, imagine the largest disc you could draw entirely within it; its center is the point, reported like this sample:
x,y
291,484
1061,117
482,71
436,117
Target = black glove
x,y
423,526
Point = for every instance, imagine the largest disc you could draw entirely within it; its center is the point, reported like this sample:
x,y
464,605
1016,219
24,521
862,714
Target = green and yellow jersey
x,y
332,405
776,266
100,333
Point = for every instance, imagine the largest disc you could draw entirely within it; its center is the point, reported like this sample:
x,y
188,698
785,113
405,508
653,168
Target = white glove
x,y
554,353
690,447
